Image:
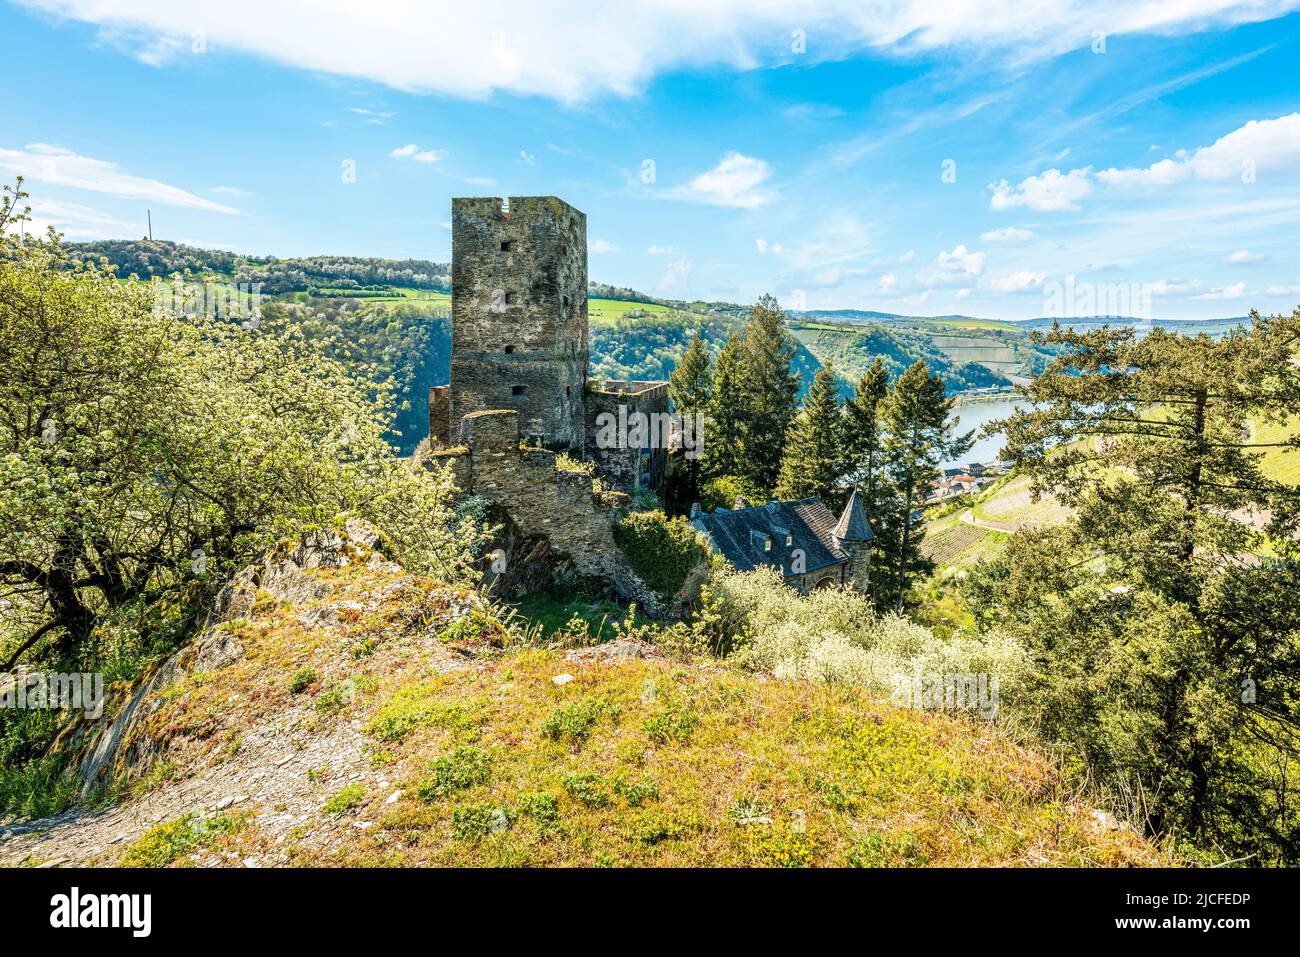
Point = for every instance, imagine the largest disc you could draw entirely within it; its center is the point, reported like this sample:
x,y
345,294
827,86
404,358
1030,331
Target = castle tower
x,y
519,314
853,535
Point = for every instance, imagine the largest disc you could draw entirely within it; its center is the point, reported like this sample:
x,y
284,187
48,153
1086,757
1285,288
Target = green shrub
x,y
469,822
165,843
541,806
346,799
587,787
672,724
721,492
574,722
636,793
464,768
660,549
303,679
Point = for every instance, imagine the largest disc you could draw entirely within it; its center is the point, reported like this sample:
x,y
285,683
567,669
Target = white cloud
x,y
908,256
830,276
78,221
763,246
1235,291
1283,290
527,157
888,283
413,152
654,250
1009,234
1021,281
599,246
480,181
735,181
496,45
1262,146
676,276
1242,256
230,191
1049,192
374,118
56,166
961,260
1164,287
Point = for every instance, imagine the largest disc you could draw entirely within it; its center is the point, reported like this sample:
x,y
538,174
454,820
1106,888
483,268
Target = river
x,y
973,415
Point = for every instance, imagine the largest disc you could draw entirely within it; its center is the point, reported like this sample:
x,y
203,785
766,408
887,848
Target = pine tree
x,y
813,463
692,378
864,466
724,434
770,390
689,386
917,438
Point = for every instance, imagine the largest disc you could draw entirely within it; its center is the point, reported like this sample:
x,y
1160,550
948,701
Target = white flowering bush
x,y
835,635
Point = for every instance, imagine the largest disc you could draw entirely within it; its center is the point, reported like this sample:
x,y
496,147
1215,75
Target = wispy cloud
x,y
54,165
491,46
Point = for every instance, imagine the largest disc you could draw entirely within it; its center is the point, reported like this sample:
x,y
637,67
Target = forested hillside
x,y
391,318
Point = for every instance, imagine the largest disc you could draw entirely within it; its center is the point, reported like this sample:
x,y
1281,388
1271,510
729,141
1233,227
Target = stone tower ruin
x,y
519,317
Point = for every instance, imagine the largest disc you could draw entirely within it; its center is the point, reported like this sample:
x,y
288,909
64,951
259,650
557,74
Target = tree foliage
x,y
1166,652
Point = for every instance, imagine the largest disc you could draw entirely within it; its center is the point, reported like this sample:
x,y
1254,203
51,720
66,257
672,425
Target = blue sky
x,y
927,159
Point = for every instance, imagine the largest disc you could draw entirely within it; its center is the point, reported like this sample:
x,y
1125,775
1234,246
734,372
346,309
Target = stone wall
x,y
627,463
519,314
440,416
543,501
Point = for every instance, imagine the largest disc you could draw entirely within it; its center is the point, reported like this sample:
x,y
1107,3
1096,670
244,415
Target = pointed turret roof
x,y
852,526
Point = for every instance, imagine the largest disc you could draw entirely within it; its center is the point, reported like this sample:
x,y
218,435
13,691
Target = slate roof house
x,y
801,538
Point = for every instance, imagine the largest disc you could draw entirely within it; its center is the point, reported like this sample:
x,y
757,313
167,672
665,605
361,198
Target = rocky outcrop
x,y
111,744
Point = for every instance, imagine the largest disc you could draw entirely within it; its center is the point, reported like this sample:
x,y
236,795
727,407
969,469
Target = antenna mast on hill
x,y
149,213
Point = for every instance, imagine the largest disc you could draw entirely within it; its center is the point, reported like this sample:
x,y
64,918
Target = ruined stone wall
x,y
440,416
544,501
519,314
627,464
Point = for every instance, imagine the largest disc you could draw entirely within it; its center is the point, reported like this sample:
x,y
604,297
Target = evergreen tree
x,y
1166,654
813,463
724,435
864,467
917,438
689,386
691,379
770,390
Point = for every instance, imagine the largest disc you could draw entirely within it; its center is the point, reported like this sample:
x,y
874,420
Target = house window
x,y
518,389
509,298
767,543
507,245
789,539
509,350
